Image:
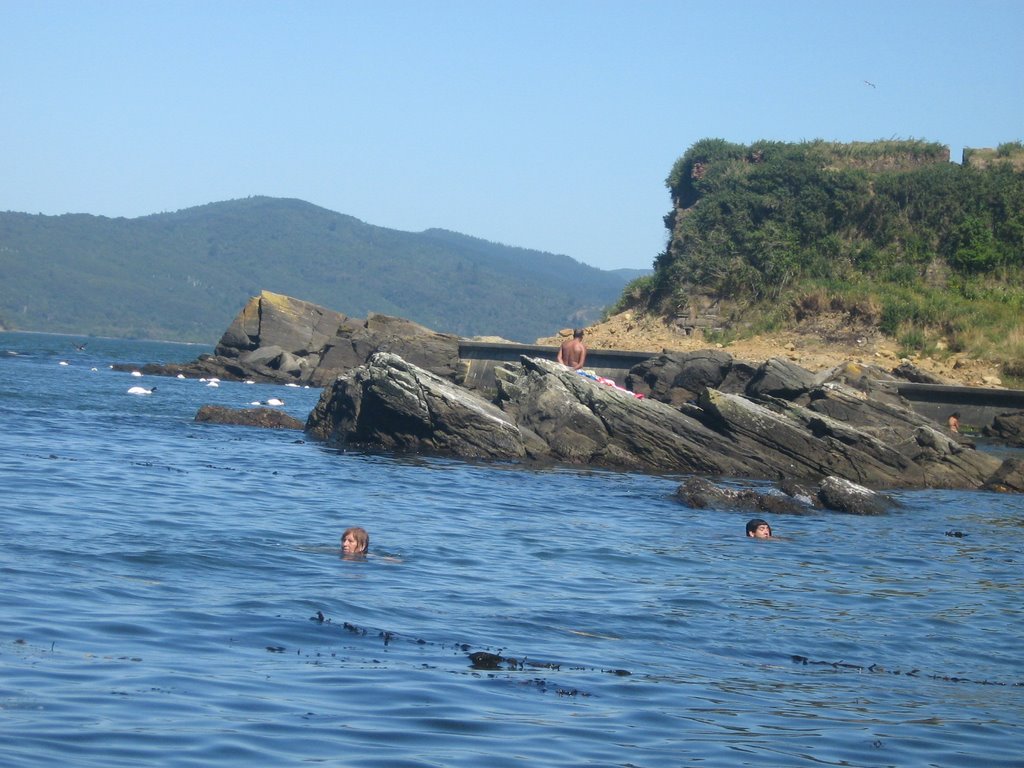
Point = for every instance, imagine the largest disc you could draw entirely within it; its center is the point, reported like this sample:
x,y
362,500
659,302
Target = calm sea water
x,y
161,583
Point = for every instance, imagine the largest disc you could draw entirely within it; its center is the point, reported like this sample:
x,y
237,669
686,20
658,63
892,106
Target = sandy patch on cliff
x,y
817,345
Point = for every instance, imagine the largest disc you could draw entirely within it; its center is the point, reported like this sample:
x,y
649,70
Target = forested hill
x,y
890,232
185,275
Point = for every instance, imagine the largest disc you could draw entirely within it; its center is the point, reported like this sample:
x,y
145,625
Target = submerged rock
x,y
841,495
832,493
247,417
700,493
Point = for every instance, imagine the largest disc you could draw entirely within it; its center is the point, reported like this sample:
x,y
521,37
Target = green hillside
x,y
185,275
890,233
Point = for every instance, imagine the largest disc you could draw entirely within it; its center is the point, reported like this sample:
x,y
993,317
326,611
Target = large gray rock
x,y
885,446
279,339
871,381
701,493
1008,478
392,404
585,422
1008,427
788,441
891,420
678,377
832,493
424,348
274,320
546,411
841,495
778,377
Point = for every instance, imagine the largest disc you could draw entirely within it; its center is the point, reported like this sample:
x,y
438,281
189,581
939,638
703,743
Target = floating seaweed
x,y
878,669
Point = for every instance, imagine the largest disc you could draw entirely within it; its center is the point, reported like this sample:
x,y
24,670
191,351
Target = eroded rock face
x,y
279,339
678,377
1008,427
908,371
778,377
1009,478
585,422
546,411
870,441
392,404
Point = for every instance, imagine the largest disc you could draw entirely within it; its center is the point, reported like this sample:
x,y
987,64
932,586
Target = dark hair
x,y
753,525
577,333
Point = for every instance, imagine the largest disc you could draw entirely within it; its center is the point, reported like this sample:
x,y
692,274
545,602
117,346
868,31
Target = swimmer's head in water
x,y
355,541
759,529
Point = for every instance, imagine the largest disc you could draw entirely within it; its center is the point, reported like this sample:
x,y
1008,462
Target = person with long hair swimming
x,y
354,542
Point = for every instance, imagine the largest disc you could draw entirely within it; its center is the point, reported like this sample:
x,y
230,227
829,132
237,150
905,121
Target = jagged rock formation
x,y
1008,427
279,339
395,385
1009,477
547,412
678,378
395,405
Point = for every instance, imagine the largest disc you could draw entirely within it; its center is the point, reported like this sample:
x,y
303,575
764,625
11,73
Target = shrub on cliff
x,y
939,247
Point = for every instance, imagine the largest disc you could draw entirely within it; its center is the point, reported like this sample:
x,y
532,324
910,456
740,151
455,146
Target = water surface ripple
x,y
163,583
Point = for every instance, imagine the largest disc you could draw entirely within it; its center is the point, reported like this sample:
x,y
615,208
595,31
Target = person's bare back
x,y
573,352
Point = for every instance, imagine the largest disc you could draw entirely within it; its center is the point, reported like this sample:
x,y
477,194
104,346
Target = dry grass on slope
x,y
816,346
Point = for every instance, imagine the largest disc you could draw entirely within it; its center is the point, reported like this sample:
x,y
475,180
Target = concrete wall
x,y
977,405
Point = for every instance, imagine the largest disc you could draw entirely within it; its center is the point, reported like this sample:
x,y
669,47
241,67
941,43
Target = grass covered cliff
x,y
887,234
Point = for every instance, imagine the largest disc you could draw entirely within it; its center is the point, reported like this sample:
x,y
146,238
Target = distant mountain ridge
x,y
185,275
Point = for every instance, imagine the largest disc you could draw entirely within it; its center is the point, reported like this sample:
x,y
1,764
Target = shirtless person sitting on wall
x,y
573,352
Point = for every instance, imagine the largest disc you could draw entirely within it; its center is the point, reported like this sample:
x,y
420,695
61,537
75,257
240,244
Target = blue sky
x,y
548,125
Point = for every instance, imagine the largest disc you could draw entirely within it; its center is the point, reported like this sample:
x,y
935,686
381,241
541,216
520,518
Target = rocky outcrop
x,y
841,495
1009,478
832,493
678,377
545,411
778,377
1007,427
701,493
279,339
392,384
910,372
267,418
392,404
